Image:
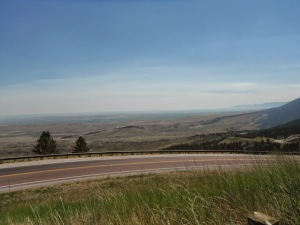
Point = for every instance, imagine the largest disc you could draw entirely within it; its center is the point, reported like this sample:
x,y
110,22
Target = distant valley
x,y
136,131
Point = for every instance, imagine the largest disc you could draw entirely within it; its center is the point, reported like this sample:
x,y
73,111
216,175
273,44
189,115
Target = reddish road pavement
x,y
31,174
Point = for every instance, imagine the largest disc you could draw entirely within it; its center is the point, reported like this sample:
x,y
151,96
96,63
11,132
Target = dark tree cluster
x,y
80,145
253,146
291,147
266,146
272,132
47,145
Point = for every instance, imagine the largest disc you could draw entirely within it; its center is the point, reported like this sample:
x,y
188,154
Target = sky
x,y
71,56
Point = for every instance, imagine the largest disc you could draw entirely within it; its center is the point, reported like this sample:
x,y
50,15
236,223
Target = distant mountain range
x,y
283,114
255,107
263,118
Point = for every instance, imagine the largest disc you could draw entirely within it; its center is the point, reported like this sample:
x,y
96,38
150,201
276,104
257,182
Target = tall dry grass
x,y
197,197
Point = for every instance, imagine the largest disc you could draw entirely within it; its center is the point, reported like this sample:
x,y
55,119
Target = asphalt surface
x,y
17,176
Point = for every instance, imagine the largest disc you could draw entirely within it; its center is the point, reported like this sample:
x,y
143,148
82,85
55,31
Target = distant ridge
x,y
282,114
262,119
268,105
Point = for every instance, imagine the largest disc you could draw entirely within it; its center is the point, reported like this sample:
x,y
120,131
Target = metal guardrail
x,y
111,153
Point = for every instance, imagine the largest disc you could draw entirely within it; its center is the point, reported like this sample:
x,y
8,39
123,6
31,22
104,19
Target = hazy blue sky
x,y
93,56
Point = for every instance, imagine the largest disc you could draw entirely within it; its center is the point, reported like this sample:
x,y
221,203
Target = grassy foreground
x,y
196,197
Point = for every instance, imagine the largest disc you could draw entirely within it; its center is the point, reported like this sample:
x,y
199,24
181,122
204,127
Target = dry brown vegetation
x,y
122,133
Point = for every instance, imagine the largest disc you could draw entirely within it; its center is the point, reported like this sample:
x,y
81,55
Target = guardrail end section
x,y
258,218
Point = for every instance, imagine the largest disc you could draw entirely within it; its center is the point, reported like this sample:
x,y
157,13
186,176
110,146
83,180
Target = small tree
x,y
51,148
81,145
45,144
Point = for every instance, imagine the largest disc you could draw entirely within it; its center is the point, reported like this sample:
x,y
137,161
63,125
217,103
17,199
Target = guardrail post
x,y
258,218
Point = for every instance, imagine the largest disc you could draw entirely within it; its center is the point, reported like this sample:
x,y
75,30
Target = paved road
x,y
17,176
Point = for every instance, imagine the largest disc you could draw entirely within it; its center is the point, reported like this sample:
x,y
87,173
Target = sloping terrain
x,y
243,121
290,124
283,114
281,131
263,119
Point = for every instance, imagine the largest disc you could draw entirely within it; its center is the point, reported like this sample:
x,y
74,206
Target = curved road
x,y
17,176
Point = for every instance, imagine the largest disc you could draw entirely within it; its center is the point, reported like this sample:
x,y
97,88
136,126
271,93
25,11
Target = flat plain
x,y
119,131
